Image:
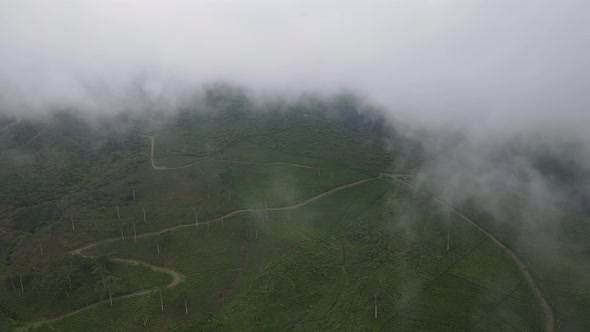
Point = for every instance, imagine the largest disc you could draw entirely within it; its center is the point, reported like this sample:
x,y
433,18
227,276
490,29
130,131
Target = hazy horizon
x,y
497,72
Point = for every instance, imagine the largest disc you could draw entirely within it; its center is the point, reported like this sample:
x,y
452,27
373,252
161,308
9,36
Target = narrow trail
x,y
177,277
227,215
31,140
547,311
156,167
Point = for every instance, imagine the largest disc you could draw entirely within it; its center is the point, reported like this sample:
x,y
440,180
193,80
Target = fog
x,y
496,72
496,93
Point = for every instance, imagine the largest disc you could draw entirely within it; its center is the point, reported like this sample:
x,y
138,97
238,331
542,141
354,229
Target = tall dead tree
x,y
196,217
134,233
185,306
161,302
72,220
144,218
110,294
375,306
118,215
133,193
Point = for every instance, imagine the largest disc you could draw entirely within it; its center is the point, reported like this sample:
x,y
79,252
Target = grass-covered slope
x,y
237,220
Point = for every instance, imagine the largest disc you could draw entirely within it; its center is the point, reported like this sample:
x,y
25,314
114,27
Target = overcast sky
x,y
505,64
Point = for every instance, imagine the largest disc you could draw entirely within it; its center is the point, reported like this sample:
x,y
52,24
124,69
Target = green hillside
x,y
238,219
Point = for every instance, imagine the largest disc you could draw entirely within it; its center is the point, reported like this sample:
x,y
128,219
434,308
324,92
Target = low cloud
x,y
484,75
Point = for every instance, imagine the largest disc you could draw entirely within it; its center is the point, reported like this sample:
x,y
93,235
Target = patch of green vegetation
x,y
364,255
29,219
555,257
76,283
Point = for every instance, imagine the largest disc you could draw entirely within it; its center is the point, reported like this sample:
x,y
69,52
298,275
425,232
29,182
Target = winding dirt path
x,y
32,139
154,166
547,311
228,215
177,277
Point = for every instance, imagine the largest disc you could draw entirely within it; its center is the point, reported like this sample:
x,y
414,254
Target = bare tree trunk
x,y
134,233
22,288
161,302
41,247
158,246
144,219
110,295
118,215
196,218
145,322
221,222
185,307
13,286
72,220
133,193
375,306
67,294
122,235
